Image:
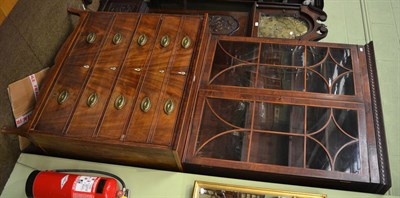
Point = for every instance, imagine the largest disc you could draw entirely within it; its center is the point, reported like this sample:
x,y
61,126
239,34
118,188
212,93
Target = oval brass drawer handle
x,y
62,97
142,40
117,39
186,42
119,102
169,106
165,40
92,100
91,37
146,104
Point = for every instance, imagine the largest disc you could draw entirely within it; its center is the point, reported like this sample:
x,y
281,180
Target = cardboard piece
x,y
23,94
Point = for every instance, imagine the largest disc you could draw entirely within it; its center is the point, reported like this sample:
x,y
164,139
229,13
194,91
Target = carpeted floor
x,y
29,40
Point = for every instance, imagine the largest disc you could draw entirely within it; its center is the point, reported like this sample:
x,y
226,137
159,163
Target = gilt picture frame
x,y
204,189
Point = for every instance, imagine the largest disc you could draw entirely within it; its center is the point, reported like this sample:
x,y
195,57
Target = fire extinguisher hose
x,y
93,171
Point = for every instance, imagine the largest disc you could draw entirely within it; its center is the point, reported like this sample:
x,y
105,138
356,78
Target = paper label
x,y
22,119
84,184
35,85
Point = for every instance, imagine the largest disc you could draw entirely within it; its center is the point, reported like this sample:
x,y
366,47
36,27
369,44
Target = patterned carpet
x,y
29,40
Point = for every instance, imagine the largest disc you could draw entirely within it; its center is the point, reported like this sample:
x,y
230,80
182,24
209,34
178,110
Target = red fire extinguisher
x,y
59,184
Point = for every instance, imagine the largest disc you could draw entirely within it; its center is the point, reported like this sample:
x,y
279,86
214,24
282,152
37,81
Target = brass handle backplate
x,y
62,97
186,42
117,39
146,104
169,106
165,40
91,37
119,102
92,100
142,40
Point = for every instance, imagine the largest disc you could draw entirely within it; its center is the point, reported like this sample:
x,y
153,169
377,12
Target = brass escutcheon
x,y
186,42
117,38
119,102
92,100
169,106
182,73
165,41
91,37
146,104
62,97
142,40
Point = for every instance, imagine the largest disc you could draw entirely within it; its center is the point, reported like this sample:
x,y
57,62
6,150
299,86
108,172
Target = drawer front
x,y
75,70
62,99
125,91
175,84
146,108
92,103
96,95
124,78
118,40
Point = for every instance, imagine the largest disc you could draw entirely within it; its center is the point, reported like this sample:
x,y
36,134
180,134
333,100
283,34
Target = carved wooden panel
x,y
122,6
222,24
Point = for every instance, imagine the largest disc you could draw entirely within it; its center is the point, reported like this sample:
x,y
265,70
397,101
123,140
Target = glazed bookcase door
x,y
282,107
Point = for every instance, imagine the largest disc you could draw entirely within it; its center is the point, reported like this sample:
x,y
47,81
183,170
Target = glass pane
x,y
348,159
244,51
342,56
344,85
229,146
347,120
281,26
332,138
242,76
220,116
233,60
315,83
315,55
278,54
329,70
316,156
281,78
223,60
279,117
317,118
276,149
211,126
234,112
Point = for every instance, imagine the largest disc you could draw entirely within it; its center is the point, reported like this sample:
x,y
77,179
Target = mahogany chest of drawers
x,y
116,91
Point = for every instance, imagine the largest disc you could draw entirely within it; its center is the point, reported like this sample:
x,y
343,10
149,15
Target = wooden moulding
x,y
381,146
